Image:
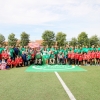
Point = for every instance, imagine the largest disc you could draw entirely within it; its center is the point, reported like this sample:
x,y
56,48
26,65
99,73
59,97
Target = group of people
x,y
15,56
71,55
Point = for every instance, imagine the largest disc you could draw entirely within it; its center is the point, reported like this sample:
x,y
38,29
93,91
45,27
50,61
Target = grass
x,y
84,85
16,84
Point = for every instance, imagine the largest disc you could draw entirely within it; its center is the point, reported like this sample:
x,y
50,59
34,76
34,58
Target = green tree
x,y
93,40
12,40
48,38
61,39
83,39
24,39
99,41
73,42
2,39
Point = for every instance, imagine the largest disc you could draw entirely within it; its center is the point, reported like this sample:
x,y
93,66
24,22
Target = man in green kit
x,y
65,53
38,58
11,52
52,58
47,48
1,49
98,48
56,54
86,49
23,48
76,49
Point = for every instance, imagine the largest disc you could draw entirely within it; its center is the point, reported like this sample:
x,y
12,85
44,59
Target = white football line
x,y
71,96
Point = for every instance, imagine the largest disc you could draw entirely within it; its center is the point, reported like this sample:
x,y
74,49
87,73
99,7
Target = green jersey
x,y
28,57
91,49
1,49
47,56
23,49
70,49
38,55
48,49
75,50
79,51
65,52
20,52
41,50
61,50
56,52
67,49
86,50
99,49
52,56
52,49
11,52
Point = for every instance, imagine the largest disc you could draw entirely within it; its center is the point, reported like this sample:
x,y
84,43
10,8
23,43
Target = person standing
x,y
11,50
24,57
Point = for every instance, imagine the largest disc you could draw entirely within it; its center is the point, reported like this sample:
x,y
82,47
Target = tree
x,y
99,41
83,39
48,38
2,39
73,42
61,39
12,40
93,40
24,39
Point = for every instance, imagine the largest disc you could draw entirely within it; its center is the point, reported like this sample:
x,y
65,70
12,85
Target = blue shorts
x,y
65,57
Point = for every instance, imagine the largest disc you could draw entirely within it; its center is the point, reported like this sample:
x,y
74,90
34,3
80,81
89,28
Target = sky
x,y
35,16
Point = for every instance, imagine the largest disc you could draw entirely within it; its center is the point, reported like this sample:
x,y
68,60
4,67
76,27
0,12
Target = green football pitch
x,y
33,83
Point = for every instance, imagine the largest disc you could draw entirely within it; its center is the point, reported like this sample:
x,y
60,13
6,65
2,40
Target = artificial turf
x,y
84,85
16,84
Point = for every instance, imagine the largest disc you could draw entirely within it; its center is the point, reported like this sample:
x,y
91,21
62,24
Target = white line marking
x,y
71,96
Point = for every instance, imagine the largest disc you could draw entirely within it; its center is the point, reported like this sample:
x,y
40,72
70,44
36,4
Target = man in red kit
x,y
0,56
33,57
6,55
93,56
72,58
89,54
17,61
80,58
3,54
85,59
13,63
76,58
88,58
9,62
69,57
97,58
20,61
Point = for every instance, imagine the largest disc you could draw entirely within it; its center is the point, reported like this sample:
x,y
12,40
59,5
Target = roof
x,y
39,42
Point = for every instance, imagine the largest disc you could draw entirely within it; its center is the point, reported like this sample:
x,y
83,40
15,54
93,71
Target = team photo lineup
x,y
50,50
15,56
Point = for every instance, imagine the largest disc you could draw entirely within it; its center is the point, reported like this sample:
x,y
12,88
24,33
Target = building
x,y
39,42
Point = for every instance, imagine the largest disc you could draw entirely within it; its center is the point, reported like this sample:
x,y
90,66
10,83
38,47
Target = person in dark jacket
x,y
24,57
16,51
